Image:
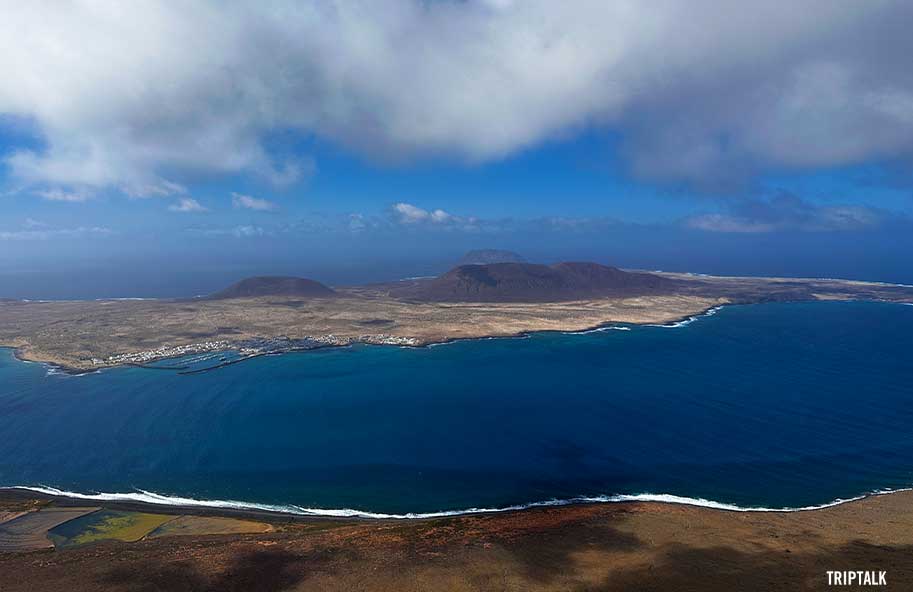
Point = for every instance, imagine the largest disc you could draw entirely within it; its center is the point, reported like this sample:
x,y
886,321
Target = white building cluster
x,y
144,357
252,347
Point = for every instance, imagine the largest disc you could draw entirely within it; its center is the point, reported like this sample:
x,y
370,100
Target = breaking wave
x,y
148,497
599,330
687,321
707,313
52,370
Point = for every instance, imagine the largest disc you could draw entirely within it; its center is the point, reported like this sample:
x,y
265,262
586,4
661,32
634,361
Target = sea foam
x,y
149,497
707,313
57,371
598,330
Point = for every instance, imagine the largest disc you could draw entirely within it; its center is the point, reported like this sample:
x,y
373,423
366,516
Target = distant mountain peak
x,y
529,282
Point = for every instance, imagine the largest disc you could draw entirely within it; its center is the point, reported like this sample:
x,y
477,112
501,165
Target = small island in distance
x,y
489,256
269,314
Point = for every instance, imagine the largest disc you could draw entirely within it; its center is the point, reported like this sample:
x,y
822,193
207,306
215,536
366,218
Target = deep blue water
x,y
775,405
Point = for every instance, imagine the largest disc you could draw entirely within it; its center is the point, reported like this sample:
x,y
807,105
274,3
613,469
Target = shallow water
x,y
774,405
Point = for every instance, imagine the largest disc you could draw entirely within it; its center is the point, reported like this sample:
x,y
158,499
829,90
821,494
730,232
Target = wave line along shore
x,y
152,499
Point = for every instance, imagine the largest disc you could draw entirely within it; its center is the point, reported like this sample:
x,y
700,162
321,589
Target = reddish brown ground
x,y
598,547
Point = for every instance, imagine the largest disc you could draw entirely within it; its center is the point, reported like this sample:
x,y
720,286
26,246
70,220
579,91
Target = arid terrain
x,y
625,546
49,543
87,335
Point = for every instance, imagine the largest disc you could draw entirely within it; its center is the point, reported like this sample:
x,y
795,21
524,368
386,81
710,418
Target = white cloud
x,y
406,213
248,231
61,195
440,216
52,233
243,231
727,223
31,223
410,214
784,212
158,188
133,96
187,205
252,203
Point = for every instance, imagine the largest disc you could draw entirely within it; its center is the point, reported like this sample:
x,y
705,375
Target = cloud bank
x,y
36,231
136,96
402,218
785,212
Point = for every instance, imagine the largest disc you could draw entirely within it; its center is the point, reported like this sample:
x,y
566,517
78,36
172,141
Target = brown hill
x,y
527,282
275,286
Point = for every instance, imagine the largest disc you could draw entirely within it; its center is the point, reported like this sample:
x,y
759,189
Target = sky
x,y
167,148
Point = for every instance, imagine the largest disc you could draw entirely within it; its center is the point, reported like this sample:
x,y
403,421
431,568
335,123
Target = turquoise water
x,y
774,405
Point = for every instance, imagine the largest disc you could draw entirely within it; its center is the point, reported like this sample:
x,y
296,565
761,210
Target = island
x,y
56,540
273,314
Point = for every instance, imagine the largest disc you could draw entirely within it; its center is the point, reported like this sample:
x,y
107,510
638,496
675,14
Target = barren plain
x,y
88,335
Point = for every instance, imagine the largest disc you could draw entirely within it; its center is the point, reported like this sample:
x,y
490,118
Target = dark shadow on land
x,y
639,547
551,555
272,570
687,569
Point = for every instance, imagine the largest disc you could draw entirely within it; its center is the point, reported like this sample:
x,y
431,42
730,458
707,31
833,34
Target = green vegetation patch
x,y
203,525
107,525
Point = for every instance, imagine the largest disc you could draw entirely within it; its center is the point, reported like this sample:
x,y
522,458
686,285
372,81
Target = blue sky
x,y
163,150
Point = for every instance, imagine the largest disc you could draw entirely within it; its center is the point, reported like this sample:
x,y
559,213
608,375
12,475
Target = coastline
x,y
605,547
92,335
367,512
156,503
419,343
674,322
647,542
52,366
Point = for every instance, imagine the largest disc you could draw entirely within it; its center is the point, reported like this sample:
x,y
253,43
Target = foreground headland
x,y
264,315
617,546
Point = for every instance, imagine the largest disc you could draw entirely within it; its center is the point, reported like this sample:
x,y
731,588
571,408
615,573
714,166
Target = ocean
x,y
781,405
